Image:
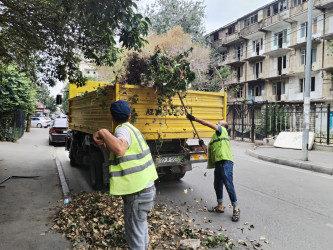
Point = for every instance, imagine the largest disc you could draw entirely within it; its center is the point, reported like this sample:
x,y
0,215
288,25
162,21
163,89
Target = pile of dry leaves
x,y
95,221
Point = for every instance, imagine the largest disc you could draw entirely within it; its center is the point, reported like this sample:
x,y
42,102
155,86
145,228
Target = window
x,y
239,92
304,30
301,85
313,56
280,38
216,36
257,45
315,21
269,11
303,57
231,30
313,84
285,36
238,52
284,62
239,71
256,90
298,2
250,20
275,8
274,89
283,88
283,5
224,56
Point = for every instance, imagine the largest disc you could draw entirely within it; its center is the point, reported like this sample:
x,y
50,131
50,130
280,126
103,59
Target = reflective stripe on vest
x,y
131,157
220,139
131,170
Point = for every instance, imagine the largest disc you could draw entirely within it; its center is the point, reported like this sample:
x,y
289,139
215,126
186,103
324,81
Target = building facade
x,y
266,51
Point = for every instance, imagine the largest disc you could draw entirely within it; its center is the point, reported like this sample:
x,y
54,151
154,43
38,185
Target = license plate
x,y
169,159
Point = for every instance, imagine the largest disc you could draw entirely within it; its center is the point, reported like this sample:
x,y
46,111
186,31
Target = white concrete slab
x,y
292,140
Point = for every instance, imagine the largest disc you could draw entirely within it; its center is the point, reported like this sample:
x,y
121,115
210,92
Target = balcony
x,y
235,61
277,21
278,52
219,45
303,44
328,36
250,31
232,39
254,58
324,4
296,10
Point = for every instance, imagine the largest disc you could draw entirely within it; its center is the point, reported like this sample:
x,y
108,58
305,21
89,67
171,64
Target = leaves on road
x,y
95,220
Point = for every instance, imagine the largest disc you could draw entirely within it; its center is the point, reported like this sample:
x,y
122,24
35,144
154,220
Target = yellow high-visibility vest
x,y
136,169
219,148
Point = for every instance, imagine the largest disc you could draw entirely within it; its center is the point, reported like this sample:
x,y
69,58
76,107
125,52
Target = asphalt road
x,y
288,207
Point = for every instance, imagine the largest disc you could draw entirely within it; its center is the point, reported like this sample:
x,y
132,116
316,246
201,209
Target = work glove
x,y
190,117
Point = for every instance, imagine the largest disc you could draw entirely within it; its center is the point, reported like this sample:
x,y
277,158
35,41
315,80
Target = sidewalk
x,y
28,205
319,161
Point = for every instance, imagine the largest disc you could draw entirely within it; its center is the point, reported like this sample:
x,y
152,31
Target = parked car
x,y
58,131
39,122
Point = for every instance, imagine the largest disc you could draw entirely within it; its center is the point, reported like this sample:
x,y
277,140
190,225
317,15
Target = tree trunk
x,y
28,124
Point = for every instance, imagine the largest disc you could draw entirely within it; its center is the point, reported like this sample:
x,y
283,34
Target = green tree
x,y
15,93
48,38
43,96
166,14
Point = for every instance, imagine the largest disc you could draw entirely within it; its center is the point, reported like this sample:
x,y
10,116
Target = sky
x,y
218,14
222,12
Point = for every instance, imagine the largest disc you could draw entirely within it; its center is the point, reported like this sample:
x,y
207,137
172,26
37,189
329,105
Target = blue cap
x,y
120,110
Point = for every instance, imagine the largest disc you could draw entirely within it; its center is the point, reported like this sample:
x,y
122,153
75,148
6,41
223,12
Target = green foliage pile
x,y
168,74
16,93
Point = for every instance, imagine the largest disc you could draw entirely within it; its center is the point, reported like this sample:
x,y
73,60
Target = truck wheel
x,y
95,170
72,160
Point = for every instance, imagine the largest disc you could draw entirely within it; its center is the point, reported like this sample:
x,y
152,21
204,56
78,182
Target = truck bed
x,y
90,112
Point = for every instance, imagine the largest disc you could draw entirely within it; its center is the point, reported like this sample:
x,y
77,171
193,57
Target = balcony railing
x,y
299,9
251,29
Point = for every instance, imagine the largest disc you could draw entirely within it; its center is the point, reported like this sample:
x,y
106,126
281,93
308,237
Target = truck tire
x,y
95,170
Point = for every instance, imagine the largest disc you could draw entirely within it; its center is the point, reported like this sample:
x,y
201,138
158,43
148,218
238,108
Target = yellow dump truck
x,y
165,128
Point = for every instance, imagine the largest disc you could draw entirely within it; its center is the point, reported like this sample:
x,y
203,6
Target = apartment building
x,y
266,50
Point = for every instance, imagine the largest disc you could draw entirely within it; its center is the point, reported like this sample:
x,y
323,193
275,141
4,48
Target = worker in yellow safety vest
x,y
220,158
132,173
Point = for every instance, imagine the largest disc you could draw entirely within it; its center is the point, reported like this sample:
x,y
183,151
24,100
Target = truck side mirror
x,y
59,99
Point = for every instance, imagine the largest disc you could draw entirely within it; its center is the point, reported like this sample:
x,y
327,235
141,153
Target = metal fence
x,y
12,126
257,120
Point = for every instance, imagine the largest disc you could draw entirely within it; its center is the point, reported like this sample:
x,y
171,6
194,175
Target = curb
x,y
291,163
65,189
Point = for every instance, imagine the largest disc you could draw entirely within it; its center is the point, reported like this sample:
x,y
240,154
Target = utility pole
x,y
308,64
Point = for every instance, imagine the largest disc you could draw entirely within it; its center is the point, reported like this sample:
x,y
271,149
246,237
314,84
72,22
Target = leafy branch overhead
x,y
47,39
